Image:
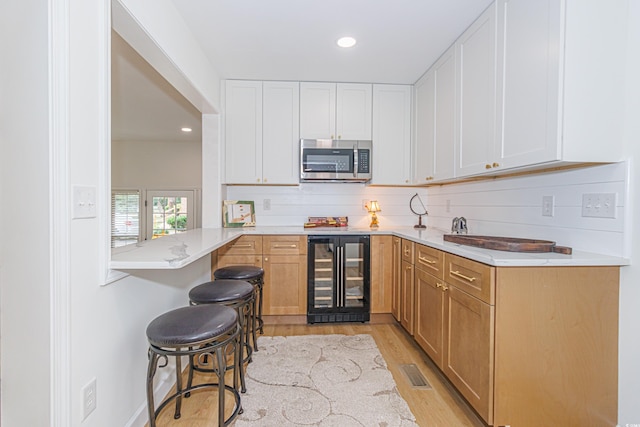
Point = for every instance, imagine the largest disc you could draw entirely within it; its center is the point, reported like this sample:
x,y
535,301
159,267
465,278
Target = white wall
x,y
154,165
629,349
25,234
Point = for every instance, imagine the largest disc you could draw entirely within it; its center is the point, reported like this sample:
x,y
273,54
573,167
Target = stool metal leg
x,y
151,371
176,415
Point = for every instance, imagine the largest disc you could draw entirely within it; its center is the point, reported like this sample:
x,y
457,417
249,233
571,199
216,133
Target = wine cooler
x,y
338,279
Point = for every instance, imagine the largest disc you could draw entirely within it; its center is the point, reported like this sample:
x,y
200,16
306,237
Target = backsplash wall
x,y
291,205
513,207
501,206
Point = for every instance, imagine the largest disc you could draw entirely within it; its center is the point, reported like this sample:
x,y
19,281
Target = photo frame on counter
x,y
238,213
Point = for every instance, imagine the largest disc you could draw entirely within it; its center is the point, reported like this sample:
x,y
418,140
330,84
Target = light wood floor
x,y
440,406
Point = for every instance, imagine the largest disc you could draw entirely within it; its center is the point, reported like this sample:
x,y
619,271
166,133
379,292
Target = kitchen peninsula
x,y
525,338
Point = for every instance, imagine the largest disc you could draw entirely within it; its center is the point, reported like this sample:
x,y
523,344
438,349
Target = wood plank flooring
x,y
440,406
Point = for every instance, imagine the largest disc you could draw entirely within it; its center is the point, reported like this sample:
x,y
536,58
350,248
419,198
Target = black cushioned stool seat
x,y
237,294
253,275
191,331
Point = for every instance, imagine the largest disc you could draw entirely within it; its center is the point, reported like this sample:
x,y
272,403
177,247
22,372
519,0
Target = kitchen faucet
x,y
459,225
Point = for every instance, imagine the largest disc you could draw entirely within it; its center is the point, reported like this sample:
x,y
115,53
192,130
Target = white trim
x,y
59,130
104,149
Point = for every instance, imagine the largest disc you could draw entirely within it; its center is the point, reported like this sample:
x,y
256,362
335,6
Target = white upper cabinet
x,y
391,134
353,111
280,131
335,110
261,132
243,132
435,110
476,88
562,86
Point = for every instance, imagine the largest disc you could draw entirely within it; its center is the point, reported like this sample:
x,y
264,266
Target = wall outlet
x,y
548,205
448,205
365,203
266,204
599,205
89,398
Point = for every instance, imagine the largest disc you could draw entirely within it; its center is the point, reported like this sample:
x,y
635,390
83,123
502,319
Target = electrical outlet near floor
x,y
599,205
548,204
89,398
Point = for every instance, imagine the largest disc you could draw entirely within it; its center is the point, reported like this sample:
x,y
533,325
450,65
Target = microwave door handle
x,y
355,161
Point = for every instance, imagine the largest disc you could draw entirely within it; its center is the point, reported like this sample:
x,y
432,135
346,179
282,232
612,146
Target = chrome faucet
x,y
459,225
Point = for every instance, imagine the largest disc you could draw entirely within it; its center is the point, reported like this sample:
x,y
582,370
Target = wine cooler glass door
x,y
353,275
324,277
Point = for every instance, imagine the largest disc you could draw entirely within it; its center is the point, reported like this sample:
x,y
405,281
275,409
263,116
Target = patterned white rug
x,y
321,380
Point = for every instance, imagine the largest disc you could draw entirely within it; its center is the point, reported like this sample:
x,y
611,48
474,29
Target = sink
x,y
510,244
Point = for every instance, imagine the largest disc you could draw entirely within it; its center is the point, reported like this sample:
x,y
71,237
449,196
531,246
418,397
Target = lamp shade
x,y
374,206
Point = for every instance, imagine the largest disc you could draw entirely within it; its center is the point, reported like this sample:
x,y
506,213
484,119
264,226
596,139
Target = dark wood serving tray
x,y
510,244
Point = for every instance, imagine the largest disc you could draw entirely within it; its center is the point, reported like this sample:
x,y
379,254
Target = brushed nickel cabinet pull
x,y
457,273
428,261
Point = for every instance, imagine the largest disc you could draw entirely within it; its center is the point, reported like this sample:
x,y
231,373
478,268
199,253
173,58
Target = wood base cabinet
x,y
381,273
285,275
525,346
396,284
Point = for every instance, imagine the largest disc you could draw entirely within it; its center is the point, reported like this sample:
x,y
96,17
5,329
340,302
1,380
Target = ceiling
x,y
287,40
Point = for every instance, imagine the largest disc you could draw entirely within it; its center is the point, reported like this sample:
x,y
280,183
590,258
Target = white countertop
x,y
179,250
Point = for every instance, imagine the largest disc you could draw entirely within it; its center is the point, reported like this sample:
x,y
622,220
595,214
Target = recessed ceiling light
x,y
186,129
346,42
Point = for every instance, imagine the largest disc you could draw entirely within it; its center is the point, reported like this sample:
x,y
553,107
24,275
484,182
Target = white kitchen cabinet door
x,y
424,113
280,130
353,111
391,134
445,111
243,132
476,86
317,110
530,51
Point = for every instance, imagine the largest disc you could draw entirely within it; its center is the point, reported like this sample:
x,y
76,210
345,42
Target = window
x,y
169,212
125,217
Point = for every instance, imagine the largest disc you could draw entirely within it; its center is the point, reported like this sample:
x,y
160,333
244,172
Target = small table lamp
x,y
373,208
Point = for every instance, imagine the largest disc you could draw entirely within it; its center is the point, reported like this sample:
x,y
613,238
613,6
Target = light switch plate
x,y
599,205
84,202
548,204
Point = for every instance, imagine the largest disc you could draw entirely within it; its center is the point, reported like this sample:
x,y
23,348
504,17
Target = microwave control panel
x,y
363,161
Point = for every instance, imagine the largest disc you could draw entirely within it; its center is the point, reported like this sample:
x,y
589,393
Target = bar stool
x,y
194,331
236,294
253,275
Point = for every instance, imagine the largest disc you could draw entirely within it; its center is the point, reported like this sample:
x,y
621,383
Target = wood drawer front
x,y
430,260
408,249
245,245
284,245
474,278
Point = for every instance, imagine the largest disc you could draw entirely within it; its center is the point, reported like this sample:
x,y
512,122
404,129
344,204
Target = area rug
x,y
321,380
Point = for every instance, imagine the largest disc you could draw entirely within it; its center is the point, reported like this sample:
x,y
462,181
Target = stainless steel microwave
x,y
335,160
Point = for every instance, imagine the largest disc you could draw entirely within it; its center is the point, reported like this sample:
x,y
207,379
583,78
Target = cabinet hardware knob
x,y
495,165
258,180
445,288
264,180
487,166
439,285
332,137
462,276
266,259
339,136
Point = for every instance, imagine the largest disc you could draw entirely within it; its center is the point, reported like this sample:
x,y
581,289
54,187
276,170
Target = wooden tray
x,y
510,244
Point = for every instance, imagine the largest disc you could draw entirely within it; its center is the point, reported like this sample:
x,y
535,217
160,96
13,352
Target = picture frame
x,y
238,213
